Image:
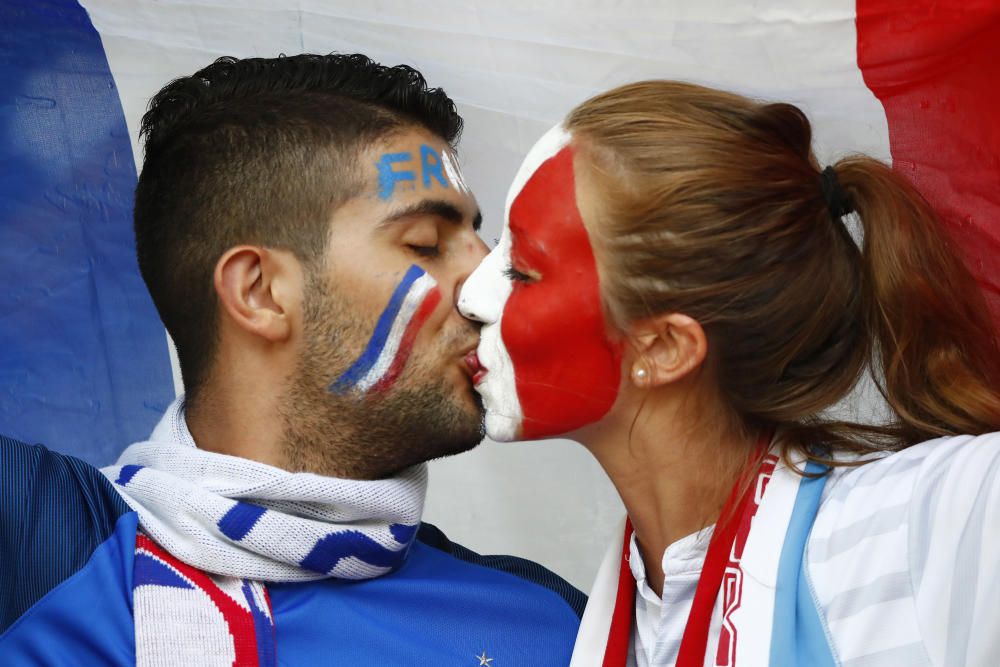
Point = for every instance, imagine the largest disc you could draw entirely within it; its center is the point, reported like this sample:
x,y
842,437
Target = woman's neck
x,y
673,472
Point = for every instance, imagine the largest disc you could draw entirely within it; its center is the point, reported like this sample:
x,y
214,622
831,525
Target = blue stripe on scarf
x,y
355,373
127,472
263,630
240,520
150,571
402,533
335,546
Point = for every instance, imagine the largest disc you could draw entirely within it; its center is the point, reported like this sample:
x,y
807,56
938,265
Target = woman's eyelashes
x,y
518,276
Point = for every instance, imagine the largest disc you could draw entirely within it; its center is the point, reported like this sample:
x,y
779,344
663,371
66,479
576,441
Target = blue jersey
x,y
67,548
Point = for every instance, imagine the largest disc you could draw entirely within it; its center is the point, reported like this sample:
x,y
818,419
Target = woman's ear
x,y
259,290
667,348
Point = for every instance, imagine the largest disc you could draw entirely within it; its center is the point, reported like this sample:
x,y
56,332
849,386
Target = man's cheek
x,y
388,349
566,370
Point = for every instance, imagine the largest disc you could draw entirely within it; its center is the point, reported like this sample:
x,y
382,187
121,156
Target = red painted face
x,y
567,370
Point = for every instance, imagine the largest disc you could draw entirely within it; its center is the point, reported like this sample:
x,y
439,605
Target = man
x,y
303,229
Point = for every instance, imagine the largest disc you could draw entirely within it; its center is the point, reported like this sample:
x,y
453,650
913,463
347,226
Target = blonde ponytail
x,y
938,362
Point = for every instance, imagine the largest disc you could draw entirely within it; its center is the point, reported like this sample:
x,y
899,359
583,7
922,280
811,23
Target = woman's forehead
x,y
544,149
545,209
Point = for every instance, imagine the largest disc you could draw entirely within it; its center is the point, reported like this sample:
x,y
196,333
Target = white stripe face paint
x,y
454,173
414,298
484,296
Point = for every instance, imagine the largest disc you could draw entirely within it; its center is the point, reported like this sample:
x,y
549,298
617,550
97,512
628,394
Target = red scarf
x,y
737,512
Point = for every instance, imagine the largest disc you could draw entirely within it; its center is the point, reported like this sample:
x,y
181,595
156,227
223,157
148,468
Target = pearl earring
x,y
640,374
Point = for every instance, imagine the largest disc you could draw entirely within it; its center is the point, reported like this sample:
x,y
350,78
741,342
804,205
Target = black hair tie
x,y
836,199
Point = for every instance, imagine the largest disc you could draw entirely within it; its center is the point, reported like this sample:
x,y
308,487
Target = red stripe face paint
x,y
551,366
425,310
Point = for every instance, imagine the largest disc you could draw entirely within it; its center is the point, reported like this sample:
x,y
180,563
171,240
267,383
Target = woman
x,y
677,288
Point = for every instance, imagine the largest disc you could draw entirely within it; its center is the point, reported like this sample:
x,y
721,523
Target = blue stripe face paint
x,y
430,164
388,177
436,168
359,369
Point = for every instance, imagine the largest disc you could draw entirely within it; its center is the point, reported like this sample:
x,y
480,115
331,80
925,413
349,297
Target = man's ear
x,y
260,290
667,348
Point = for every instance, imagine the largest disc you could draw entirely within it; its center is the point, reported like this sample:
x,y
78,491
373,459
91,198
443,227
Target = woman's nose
x,y
482,297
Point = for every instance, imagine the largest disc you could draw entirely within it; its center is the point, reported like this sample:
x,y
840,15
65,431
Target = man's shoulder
x,y
525,570
55,511
445,606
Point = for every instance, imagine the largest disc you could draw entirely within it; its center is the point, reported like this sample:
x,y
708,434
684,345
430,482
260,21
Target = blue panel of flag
x,y
84,366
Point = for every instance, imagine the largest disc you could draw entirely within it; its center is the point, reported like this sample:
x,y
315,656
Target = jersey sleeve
x,y
954,550
55,510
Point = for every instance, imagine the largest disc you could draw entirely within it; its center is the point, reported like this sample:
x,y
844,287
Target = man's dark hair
x,y
259,151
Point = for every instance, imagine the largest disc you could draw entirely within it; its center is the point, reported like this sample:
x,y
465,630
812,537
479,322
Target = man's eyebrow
x,y
435,207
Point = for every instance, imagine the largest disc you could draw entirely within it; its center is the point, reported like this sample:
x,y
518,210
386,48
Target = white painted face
x,y
484,296
550,367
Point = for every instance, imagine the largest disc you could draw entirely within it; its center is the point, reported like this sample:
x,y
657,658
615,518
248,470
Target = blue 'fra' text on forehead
x,y
393,170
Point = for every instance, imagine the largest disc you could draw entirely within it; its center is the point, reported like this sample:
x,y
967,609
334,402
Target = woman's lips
x,y
476,369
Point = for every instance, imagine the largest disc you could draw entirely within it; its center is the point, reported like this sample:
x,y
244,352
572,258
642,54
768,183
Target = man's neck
x,y
244,425
673,473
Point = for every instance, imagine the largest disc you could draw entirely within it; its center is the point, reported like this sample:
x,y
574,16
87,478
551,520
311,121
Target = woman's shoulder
x,y
871,507
889,475
879,494
908,536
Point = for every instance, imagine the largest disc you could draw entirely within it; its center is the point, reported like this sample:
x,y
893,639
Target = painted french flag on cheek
x,y
389,347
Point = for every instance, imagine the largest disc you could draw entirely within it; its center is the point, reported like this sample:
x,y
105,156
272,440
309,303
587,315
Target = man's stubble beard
x,y
372,436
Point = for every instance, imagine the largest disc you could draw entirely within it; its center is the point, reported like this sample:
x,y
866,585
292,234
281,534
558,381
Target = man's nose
x,y
476,252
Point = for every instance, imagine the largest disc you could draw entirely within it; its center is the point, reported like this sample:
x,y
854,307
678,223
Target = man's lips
x,y
476,369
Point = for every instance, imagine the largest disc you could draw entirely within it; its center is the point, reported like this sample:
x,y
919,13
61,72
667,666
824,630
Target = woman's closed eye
x,y
519,276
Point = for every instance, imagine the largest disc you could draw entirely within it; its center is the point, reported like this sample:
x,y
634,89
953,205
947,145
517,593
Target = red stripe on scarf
x,y
620,633
238,619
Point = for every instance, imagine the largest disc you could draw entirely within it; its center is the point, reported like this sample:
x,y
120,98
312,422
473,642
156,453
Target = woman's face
x,y
550,365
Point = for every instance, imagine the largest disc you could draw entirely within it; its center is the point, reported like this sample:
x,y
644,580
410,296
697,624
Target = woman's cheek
x,y
566,370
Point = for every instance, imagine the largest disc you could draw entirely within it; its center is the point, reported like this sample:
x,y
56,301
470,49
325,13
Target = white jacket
x,y
901,568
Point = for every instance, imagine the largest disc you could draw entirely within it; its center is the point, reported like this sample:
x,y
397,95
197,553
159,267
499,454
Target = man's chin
x,y
465,428
457,447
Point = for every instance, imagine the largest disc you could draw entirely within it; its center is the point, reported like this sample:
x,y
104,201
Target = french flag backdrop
x,y
83,356
85,365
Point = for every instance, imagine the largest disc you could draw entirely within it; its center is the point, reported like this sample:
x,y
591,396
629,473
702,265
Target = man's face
x,y
550,365
384,358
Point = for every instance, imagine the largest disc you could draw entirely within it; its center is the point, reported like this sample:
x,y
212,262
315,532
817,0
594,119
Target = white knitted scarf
x,y
239,518
215,528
